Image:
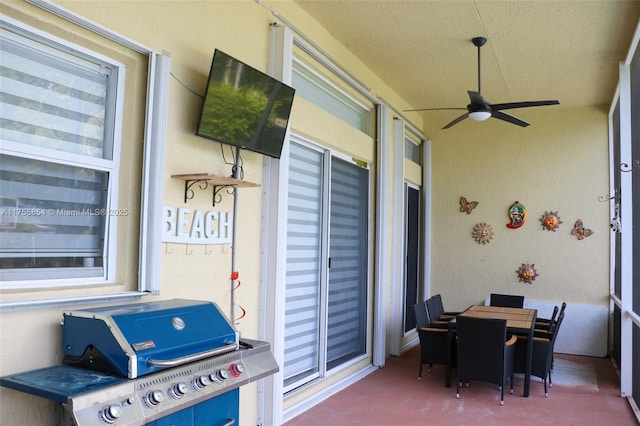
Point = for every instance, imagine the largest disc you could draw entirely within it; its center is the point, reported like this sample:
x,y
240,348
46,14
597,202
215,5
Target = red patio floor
x,y
585,392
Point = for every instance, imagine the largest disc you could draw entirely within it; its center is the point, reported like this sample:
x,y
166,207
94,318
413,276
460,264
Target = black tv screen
x,y
244,107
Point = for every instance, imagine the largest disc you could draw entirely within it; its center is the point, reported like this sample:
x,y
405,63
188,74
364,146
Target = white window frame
x,y
152,168
42,277
628,318
329,155
338,96
274,237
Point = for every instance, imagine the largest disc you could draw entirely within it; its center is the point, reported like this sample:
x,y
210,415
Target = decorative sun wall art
x,y
527,273
517,214
580,231
482,233
467,206
550,221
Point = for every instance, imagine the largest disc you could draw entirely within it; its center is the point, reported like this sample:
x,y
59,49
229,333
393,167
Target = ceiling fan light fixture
x,y
479,115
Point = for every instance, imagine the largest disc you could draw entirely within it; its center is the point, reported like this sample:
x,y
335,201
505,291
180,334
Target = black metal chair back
x,y
433,340
506,300
483,352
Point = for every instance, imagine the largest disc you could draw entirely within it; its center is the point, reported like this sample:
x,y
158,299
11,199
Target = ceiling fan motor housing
x,y
478,41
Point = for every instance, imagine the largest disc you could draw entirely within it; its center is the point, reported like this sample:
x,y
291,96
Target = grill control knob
x,y
236,369
177,390
153,398
111,413
220,375
201,382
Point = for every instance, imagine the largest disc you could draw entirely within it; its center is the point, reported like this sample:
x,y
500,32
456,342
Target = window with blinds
x,y
57,168
327,264
326,88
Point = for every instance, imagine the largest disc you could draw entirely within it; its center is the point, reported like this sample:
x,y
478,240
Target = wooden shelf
x,y
216,180
205,179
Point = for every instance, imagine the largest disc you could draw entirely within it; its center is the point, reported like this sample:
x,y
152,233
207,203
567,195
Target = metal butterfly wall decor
x,y
580,231
467,206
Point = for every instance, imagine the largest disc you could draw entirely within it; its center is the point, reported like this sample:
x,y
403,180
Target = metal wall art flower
x,y
527,273
550,221
482,233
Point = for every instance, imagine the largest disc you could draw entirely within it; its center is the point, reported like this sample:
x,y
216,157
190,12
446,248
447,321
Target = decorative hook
x,y
166,248
207,252
625,168
188,250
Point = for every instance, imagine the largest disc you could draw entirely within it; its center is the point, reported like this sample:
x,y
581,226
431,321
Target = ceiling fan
x,y
479,109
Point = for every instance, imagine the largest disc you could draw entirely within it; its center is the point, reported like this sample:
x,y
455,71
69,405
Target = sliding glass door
x,y
327,264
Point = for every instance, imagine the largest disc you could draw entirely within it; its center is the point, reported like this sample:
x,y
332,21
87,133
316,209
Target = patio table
x,y
519,321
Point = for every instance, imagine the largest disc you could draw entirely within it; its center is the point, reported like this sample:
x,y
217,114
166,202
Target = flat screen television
x,y
244,107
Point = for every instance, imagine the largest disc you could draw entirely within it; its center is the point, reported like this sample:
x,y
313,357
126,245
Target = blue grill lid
x,y
130,336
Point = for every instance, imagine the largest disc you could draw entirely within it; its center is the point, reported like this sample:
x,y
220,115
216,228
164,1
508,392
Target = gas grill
x,y
159,363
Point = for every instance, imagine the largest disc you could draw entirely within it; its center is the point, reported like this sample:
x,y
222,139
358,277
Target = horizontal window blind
x,y
55,102
320,93
347,303
50,209
302,306
57,109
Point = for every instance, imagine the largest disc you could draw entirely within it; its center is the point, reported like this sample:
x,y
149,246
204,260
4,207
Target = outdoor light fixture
x,y
479,115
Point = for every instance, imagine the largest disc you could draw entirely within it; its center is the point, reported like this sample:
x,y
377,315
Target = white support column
x,y
383,167
398,240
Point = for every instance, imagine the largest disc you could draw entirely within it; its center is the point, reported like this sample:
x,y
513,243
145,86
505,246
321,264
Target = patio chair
x,y
542,353
484,353
548,323
433,339
506,300
436,309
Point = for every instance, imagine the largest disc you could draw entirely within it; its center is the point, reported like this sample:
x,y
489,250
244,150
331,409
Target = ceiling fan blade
x,y
512,105
431,109
508,118
477,99
456,121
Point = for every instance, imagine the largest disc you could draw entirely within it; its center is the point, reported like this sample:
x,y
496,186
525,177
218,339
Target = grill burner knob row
x,y
201,382
219,376
236,369
178,390
111,413
153,398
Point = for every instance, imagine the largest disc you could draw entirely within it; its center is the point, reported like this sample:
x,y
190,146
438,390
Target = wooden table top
x,y
516,317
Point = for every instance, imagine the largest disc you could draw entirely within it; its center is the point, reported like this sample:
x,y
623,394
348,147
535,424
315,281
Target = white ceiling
x,y
537,49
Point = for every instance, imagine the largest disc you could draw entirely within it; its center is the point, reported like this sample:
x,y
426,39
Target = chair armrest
x,y
439,330
445,317
512,340
543,334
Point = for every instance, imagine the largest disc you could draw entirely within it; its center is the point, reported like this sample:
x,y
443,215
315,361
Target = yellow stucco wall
x,y
189,32
558,163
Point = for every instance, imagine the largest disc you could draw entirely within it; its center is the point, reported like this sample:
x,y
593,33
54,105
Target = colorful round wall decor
x,y
550,221
527,273
517,214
